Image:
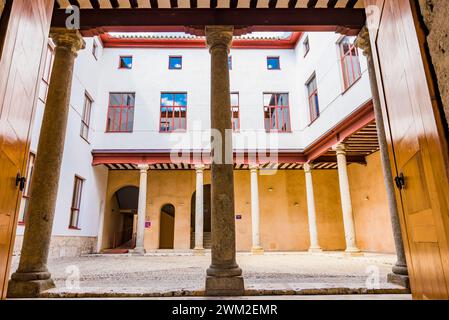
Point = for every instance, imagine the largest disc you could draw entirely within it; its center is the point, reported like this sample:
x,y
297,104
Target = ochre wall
x,y
370,207
283,207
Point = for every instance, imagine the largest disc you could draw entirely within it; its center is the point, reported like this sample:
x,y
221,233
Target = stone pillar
x,y
142,209
255,213
32,276
314,244
346,204
199,210
400,272
224,277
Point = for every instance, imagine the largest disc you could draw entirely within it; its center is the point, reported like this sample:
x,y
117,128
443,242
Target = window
x,y
121,112
95,49
306,45
173,112
26,196
273,63
230,62
314,107
126,62
277,113
349,61
235,109
43,90
85,121
175,63
76,203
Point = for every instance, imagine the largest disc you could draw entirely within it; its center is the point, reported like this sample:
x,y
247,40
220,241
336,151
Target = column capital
x,y
143,167
219,36
66,38
308,167
339,148
254,167
363,42
199,168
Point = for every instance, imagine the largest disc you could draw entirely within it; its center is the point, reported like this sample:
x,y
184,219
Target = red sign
x,y
147,224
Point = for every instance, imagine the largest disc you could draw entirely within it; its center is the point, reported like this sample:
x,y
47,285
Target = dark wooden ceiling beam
x,y
253,4
193,4
154,4
95,4
332,3
272,4
75,3
115,4
134,20
233,4
292,3
134,4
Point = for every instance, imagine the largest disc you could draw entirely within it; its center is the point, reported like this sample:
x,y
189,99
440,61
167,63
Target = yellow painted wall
x,y
283,207
369,201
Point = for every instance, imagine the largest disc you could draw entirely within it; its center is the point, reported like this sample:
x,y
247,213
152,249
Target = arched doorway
x,y
207,218
124,215
167,227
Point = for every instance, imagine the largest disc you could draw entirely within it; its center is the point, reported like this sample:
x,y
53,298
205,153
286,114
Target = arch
x,y
124,205
167,227
206,211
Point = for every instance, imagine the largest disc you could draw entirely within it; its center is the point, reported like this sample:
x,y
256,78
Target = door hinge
x,y
20,182
400,181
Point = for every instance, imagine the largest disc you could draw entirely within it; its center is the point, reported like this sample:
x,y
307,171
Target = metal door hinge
x,y
20,182
400,181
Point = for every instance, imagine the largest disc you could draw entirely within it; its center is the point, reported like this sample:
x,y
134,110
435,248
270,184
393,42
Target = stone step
x,y
207,240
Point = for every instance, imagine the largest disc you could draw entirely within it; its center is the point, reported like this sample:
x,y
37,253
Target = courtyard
x,y
169,274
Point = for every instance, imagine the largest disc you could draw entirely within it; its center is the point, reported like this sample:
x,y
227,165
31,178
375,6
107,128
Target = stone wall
x,y
435,14
64,247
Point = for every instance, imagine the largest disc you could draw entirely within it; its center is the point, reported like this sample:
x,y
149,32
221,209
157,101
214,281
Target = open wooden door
x,y
416,141
24,38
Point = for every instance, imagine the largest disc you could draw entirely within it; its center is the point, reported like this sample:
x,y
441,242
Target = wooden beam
x,y
94,21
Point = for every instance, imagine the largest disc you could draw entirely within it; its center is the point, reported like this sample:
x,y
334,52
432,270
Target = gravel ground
x,y
162,273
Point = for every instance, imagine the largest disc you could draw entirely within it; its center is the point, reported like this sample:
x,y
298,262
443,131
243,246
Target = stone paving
x,y
182,274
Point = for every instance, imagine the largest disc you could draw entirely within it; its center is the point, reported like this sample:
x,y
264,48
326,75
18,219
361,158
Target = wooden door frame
x,y
439,145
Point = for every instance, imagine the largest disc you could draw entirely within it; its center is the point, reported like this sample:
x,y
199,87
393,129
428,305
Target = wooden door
x,y
416,142
24,47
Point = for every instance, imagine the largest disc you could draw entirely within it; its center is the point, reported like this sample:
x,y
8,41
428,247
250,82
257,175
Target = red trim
x,y
111,42
356,121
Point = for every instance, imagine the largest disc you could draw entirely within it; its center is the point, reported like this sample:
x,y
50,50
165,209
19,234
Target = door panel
x,y
415,144
20,68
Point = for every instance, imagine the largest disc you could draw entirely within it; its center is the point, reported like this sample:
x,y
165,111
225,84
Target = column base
x,y
399,279
199,251
353,252
315,250
29,285
138,251
257,251
225,286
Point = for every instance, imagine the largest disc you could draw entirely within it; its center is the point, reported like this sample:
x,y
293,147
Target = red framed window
x,y
121,112
173,112
276,112
175,62
314,106
76,203
235,110
126,62
85,120
350,61
26,196
43,89
273,63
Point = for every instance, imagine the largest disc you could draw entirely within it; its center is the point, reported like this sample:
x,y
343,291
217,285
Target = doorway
x,y
207,218
124,209
167,227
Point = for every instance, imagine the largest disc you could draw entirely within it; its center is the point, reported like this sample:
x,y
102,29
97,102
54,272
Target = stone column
x,y
400,272
199,210
224,277
255,214
346,204
32,276
142,209
314,244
